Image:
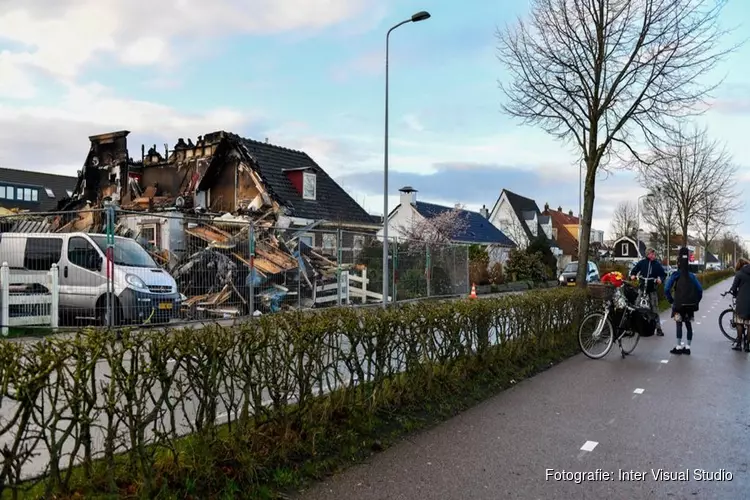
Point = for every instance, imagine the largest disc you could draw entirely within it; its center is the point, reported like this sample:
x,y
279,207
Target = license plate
x,y
165,305
571,283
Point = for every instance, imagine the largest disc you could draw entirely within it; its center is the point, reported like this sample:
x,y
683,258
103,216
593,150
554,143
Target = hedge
x,y
224,411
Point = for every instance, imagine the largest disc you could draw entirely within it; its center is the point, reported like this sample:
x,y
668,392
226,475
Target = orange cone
x,y
473,294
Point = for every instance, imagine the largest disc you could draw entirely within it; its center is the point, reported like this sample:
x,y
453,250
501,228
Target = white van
x,y
143,291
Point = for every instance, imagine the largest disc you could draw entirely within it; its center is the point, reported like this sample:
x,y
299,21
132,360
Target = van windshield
x,y
126,252
571,268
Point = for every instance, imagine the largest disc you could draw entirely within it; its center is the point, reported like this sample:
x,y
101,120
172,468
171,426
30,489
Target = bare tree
x,y
660,212
609,76
439,229
691,170
625,220
716,213
514,230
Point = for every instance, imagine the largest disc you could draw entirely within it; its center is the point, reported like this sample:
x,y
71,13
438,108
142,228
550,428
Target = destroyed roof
x,y
332,202
477,229
59,185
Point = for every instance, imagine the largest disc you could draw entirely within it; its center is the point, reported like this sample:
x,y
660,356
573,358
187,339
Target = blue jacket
x,y
671,282
649,269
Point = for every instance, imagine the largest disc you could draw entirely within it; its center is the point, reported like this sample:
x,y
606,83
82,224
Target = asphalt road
x,y
649,412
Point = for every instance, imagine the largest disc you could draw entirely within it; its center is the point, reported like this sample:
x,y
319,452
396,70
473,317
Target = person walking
x,y
688,293
651,268
741,291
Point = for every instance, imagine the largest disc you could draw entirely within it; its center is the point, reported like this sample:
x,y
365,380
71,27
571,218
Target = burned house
x,y
196,205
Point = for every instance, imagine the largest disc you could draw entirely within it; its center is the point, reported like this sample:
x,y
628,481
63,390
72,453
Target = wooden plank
x,y
30,321
267,266
20,300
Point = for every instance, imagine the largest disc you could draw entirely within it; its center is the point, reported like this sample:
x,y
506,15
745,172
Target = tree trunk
x,y
588,212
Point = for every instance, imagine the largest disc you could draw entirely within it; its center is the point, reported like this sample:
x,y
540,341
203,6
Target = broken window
x,y
308,186
50,193
359,242
307,240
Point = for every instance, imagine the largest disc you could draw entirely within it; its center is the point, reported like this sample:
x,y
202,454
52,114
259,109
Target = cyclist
x,y
741,290
688,293
651,268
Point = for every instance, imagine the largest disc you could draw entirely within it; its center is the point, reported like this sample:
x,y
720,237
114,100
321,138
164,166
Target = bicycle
x,y
614,300
730,312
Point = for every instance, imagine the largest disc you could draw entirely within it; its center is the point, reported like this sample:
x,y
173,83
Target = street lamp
x,y
419,16
638,221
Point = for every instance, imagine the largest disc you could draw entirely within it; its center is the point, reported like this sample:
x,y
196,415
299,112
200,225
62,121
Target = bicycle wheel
x,y
600,330
730,330
629,337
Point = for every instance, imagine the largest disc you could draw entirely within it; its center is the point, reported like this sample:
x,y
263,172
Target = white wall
x,y
171,230
403,217
504,218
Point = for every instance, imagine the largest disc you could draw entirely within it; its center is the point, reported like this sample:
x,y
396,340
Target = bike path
x,y
651,410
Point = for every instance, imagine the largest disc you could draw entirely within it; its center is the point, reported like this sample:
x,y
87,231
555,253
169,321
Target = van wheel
x,y
102,312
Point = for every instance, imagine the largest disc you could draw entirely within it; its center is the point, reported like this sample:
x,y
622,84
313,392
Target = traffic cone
x,y
473,294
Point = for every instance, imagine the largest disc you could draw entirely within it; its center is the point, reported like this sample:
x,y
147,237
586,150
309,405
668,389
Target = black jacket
x,y
741,290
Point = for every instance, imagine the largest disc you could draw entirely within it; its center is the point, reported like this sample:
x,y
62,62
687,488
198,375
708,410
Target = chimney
x,y
559,209
408,195
546,207
484,212
570,212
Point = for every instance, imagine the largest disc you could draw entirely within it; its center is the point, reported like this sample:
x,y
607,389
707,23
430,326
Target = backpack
x,y
686,294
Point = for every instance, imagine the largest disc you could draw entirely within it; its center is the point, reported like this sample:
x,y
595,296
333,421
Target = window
x,y
82,254
50,193
150,234
359,241
307,240
308,186
10,193
41,253
2,192
624,248
34,195
27,194
329,241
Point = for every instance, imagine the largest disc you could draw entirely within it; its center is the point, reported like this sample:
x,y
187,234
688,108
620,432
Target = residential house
x,y
474,228
626,250
28,191
521,220
567,241
221,173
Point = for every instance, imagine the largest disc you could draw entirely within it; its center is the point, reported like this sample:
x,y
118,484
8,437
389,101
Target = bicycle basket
x,y
601,291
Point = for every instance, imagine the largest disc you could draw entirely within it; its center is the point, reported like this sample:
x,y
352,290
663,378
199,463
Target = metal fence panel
x,y
164,267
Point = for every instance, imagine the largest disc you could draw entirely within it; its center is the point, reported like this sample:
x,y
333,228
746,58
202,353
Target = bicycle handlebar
x,y
728,292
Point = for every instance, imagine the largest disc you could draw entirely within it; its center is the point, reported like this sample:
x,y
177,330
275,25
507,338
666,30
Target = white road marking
x,y
589,446
665,361
638,391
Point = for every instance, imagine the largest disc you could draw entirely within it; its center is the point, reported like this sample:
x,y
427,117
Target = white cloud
x,y
15,83
58,136
144,51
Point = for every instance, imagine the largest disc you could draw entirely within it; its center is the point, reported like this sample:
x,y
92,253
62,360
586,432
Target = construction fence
x,y
116,267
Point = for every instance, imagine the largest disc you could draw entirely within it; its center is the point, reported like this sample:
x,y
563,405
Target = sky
x,y
309,75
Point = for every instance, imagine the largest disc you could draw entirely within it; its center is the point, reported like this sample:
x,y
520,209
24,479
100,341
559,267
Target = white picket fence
x,y
353,288
30,303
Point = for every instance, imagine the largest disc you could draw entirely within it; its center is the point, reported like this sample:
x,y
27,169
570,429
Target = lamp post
x,y
419,16
638,221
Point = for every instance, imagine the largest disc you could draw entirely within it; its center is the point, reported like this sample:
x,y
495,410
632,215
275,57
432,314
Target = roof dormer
x,y
304,180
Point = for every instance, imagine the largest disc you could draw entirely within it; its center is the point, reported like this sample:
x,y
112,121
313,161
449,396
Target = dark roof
x,y
711,258
332,202
477,229
641,245
523,206
59,184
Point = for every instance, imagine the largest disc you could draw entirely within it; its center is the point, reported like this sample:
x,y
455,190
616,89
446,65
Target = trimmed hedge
x,y
249,397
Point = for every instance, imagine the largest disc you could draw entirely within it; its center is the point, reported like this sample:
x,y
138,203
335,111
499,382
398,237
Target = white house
x,y
521,220
477,229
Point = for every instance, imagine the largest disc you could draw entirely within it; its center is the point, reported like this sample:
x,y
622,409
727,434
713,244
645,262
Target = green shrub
x,y
524,266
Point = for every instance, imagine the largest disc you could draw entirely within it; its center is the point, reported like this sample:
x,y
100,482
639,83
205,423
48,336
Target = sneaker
x,y
678,349
686,349
737,346
659,333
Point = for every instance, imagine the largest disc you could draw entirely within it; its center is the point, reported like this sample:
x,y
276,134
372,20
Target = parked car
x,y
143,291
568,275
